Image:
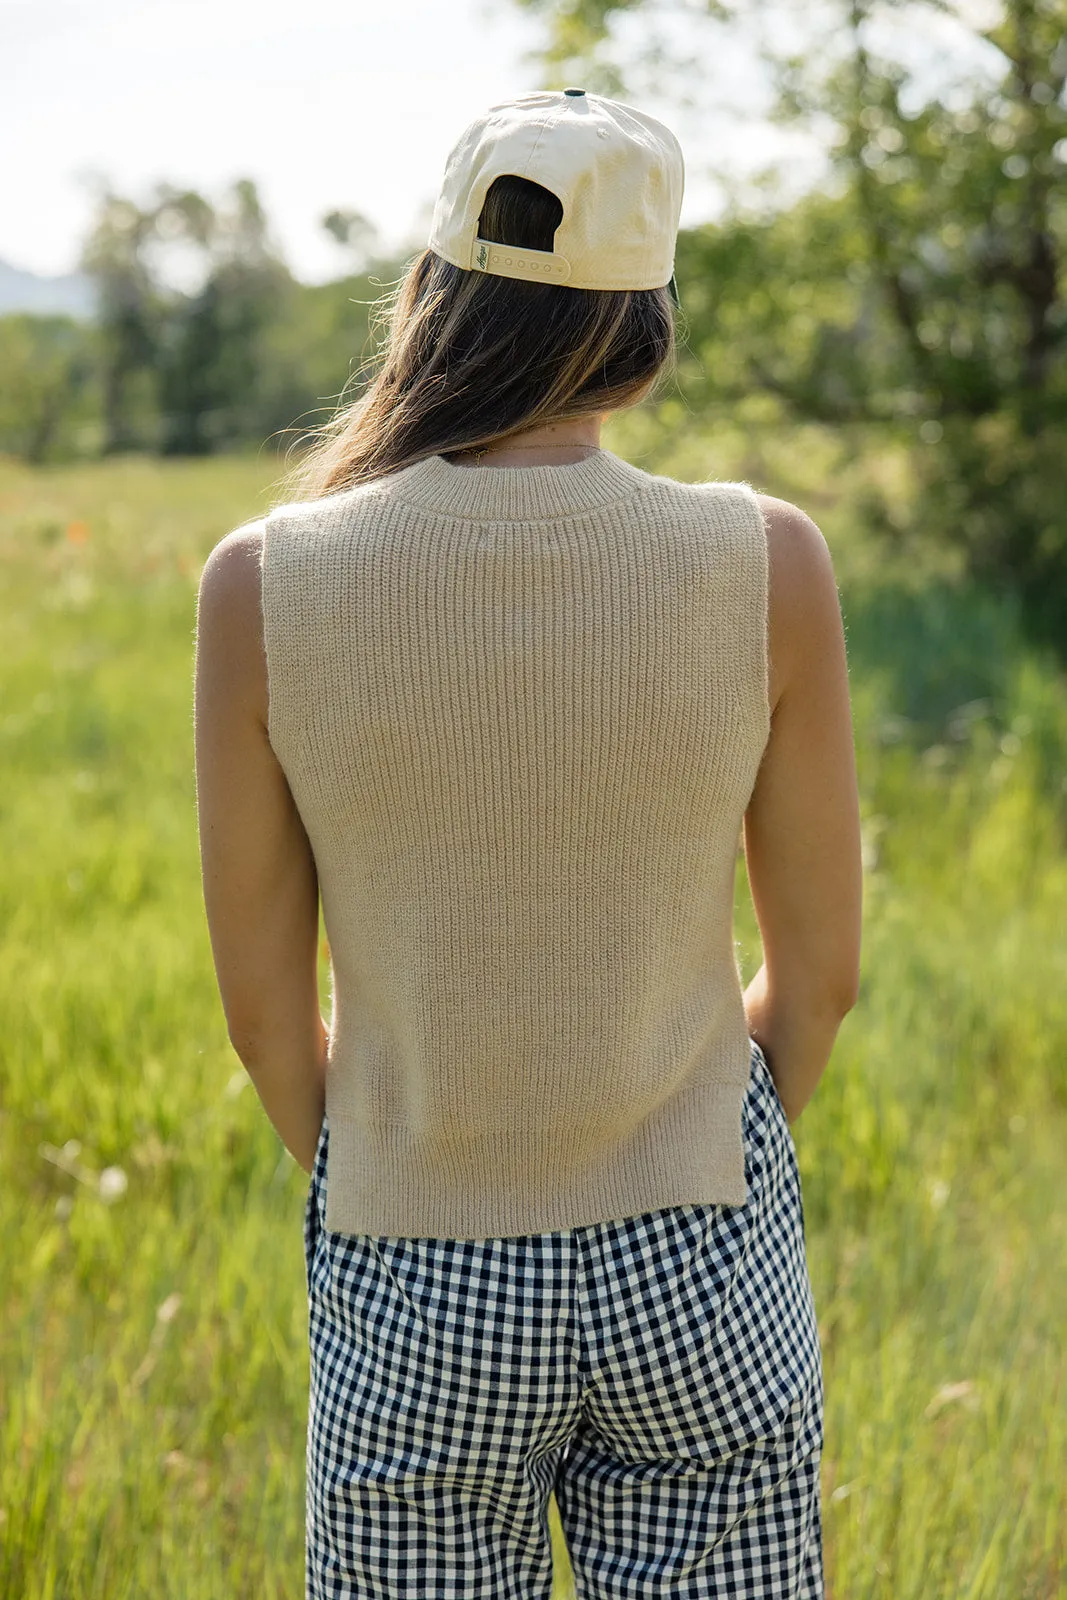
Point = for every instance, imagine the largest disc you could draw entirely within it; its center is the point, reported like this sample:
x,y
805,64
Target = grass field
x,y
153,1363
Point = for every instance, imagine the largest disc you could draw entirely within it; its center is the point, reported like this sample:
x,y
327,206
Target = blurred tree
x,y
204,341
47,363
357,236
578,36
922,289
325,346
214,374
115,257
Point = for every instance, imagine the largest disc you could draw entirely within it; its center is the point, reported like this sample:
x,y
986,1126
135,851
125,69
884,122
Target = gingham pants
x,y
661,1374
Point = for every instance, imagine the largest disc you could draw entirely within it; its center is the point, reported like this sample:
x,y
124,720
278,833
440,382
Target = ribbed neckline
x,y
518,494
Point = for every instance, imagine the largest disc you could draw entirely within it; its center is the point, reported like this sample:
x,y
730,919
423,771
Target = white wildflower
x,y
170,1308
112,1184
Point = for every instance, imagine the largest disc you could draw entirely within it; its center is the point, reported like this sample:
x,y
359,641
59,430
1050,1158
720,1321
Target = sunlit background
x,y
199,205
347,105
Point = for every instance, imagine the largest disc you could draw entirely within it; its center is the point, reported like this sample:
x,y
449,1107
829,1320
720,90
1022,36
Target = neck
x,y
551,444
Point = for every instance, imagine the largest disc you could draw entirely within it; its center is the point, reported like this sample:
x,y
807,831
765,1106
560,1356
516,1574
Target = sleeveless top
x,y
521,712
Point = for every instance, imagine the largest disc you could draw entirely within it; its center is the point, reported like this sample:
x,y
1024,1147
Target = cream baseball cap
x,y
617,172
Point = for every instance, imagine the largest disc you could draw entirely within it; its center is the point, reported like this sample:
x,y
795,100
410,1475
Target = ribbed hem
x,y
382,1184
518,494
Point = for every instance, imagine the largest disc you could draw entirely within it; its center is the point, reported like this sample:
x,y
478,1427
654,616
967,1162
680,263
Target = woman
x,y
506,702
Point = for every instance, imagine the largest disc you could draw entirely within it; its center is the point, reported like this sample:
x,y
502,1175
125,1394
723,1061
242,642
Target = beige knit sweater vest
x,y
521,712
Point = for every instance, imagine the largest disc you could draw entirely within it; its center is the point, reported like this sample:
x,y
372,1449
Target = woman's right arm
x,y
802,826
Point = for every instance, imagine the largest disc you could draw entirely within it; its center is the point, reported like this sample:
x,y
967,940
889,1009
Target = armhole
x,y
760,600
271,601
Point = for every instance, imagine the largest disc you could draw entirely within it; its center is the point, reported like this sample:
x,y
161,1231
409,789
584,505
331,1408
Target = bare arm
x,y
802,827
260,882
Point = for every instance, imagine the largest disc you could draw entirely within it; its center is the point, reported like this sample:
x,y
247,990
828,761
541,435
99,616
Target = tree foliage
x,y
214,375
115,257
204,342
48,365
922,287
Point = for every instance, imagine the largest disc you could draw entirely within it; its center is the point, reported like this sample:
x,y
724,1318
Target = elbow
x,y
847,1000
847,993
836,979
829,994
840,990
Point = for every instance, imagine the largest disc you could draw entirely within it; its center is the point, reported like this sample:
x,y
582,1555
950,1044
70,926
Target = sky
x,y
324,103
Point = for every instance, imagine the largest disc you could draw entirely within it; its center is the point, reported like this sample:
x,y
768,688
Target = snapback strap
x,y
537,266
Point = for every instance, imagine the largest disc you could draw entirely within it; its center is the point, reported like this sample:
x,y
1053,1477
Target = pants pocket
x,y
763,1071
315,1204
770,1151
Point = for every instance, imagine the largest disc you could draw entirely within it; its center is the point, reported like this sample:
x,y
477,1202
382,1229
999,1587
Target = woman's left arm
x,y
261,889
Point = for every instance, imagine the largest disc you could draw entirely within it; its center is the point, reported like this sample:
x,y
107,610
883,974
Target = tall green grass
x,y
153,1362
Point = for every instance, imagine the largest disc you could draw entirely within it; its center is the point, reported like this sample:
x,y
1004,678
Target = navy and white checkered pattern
x,y
662,1374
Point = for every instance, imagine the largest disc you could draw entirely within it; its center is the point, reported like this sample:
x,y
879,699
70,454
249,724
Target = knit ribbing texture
x,y
521,711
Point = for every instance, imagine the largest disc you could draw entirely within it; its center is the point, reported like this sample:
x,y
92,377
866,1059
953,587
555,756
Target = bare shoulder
x,y
229,615
794,540
231,572
803,607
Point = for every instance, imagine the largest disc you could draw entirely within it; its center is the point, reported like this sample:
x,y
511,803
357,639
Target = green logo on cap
x,y
483,257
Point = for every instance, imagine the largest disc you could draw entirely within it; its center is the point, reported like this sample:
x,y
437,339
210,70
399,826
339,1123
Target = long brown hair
x,y
470,358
